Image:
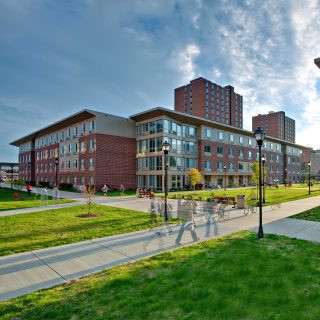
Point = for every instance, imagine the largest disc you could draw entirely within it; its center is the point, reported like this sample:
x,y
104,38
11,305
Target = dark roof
x,y
197,121
79,116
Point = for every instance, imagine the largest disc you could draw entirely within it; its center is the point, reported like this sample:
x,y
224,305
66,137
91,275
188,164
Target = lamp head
x,y
166,147
259,134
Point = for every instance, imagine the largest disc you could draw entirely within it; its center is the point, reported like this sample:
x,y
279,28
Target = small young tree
x,y
255,174
88,193
194,177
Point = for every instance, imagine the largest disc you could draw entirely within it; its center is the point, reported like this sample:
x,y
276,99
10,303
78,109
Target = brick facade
x,y
120,168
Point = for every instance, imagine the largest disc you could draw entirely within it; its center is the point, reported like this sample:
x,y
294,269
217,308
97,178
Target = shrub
x,y
65,185
44,184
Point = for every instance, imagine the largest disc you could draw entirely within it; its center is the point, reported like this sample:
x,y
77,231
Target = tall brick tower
x,y
211,101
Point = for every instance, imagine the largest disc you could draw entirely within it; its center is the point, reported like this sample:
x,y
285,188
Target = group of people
x,y
186,210
105,190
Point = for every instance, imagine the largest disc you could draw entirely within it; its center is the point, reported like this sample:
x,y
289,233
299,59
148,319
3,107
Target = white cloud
x,y
184,61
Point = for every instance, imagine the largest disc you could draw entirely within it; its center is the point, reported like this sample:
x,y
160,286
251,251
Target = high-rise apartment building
x,y
208,100
277,125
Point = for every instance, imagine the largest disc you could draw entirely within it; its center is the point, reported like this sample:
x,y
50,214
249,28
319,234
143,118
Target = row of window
x,y
73,180
49,166
210,134
66,134
166,126
25,147
177,146
156,163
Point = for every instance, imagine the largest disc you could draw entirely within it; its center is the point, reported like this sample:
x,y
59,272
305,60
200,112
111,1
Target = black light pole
x,y
11,175
225,177
260,134
166,148
263,158
309,165
56,162
29,171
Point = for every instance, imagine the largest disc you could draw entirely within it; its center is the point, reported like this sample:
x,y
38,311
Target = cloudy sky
x,y
120,57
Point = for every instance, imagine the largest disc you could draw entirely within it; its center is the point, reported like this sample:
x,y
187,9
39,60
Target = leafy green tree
x,y
194,177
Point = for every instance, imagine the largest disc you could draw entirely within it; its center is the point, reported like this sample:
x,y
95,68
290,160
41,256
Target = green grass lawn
x,y
273,195
235,277
24,201
50,228
312,214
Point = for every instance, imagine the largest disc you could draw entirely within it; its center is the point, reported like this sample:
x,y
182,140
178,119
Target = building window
x,y
207,165
83,128
82,163
75,164
220,135
91,162
219,165
91,126
219,150
91,144
230,166
83,146
207,149
207,133
240,153
240,166
231,137
83,180
241,139
249,154
91,181
230,152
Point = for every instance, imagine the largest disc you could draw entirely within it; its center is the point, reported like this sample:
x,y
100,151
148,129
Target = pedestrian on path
x,y
154,211
186,213
28,187
210,211
105,190
121,190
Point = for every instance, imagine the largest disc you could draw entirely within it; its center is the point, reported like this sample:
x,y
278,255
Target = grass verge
x,y
8,203
272,195
235,277
31,231
312,215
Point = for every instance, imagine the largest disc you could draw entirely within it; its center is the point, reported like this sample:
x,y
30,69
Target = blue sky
x,y
120,57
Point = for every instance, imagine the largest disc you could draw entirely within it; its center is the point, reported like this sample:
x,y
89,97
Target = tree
x,y
88,193
255,174
194,177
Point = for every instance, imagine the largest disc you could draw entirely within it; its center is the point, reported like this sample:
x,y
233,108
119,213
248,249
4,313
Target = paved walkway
x,y
27,272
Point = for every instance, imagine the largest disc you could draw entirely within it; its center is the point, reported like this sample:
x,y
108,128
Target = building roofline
x,y
190,119
74,118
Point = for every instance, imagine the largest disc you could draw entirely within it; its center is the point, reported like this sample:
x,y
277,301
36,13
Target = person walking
x,y
210,210
28,187
105,190
185,213
154,210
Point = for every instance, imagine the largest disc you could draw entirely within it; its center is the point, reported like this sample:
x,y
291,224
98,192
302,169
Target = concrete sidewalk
x,y
27,272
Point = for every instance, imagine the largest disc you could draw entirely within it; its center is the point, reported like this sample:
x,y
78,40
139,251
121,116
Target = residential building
x,y
207,145
97,148
90,147
208,100
277,125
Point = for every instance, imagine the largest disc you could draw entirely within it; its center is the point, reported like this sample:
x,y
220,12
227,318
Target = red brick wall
x,y
115,161
179,99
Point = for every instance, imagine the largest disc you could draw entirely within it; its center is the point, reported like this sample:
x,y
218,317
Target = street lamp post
x,y
260,134
29,171
11,175
166,148
56,162
263,158
309,165
225,176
